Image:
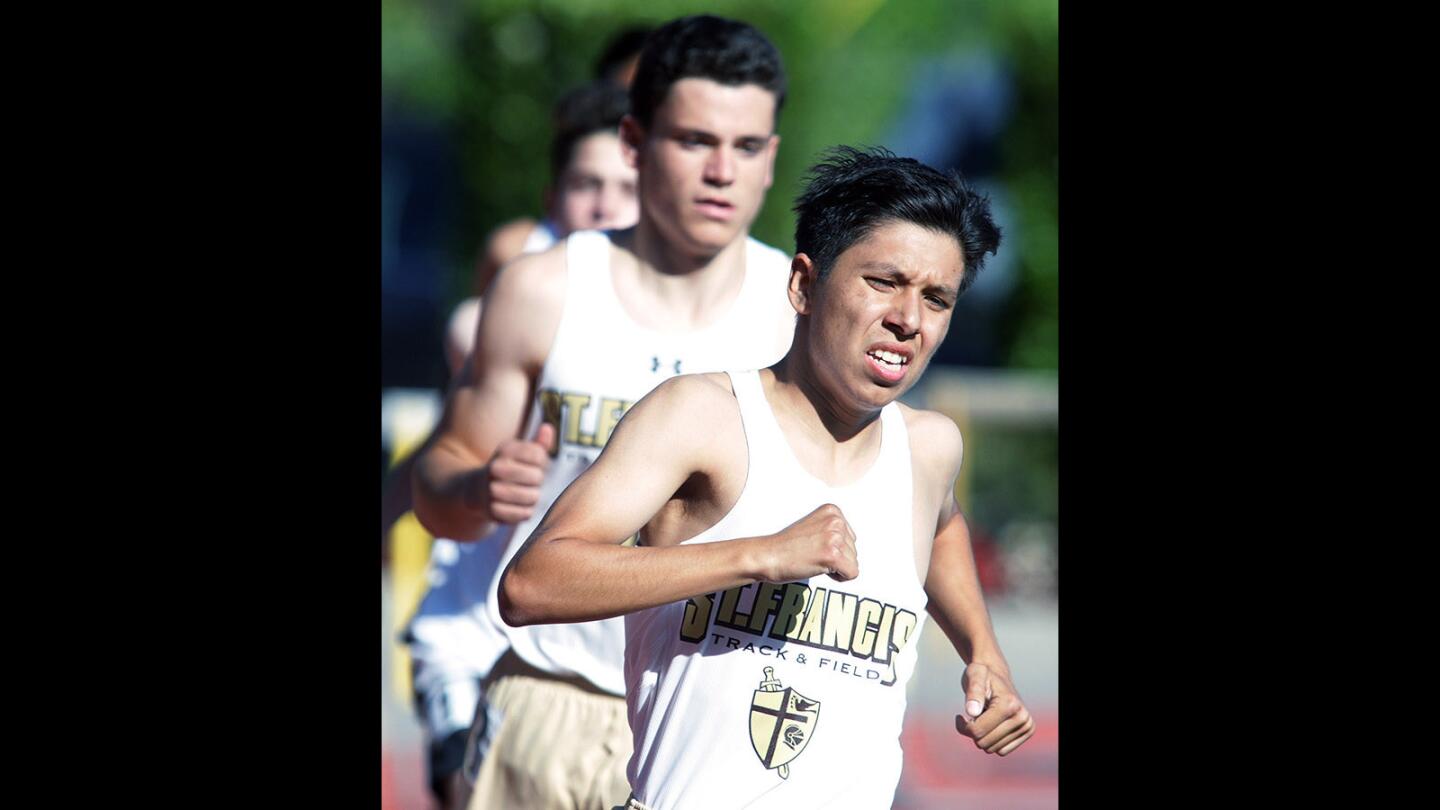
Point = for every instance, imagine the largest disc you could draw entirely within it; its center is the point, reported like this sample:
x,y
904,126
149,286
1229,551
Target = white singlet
x,y
541,237
784,695
601,363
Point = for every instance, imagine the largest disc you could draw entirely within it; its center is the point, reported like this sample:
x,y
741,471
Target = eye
x,y
880,283
752,147
691,140
937,302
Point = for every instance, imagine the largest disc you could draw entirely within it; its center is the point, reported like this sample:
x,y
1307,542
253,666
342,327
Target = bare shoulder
x,y
504,243
693,398
508,240
522,309
692,415
935,441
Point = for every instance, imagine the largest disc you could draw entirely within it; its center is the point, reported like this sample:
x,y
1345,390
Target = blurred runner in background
x,y
452,639
568,340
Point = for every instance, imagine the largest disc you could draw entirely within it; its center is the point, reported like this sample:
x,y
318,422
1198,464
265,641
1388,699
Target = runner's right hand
x,y
510,484
822,542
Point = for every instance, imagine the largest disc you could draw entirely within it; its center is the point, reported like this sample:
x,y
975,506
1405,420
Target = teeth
x,y
889,357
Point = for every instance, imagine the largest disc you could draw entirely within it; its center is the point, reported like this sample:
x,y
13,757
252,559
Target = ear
x,y
773,148
632,135
802,283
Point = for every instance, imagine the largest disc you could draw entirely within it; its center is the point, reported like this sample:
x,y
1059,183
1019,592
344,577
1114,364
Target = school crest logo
x,y
782,722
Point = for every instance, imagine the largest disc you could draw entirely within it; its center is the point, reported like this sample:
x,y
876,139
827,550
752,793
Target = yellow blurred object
x,y
409,555
407,419
404,446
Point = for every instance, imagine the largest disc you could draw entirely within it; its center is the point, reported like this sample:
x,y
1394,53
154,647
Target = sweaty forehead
x,y
722,109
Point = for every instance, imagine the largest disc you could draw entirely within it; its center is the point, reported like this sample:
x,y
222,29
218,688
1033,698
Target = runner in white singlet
x,y
453,639
796,525
568,340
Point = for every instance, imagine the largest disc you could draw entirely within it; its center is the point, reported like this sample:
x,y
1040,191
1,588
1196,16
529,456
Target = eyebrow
x,y
680,130
951,293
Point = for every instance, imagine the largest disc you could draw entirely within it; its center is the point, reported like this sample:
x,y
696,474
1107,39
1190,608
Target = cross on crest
x,y
782,723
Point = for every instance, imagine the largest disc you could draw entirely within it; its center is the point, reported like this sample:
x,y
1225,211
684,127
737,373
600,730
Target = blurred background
x,y
467,88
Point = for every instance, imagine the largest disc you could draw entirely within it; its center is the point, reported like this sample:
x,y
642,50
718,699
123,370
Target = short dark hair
x,y
725,51
623,46
851,191
590,108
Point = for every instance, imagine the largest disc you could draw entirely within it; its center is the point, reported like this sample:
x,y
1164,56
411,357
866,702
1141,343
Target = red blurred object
x,y
988,564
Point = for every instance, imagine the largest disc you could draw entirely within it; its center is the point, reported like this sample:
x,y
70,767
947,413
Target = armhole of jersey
x,y
735,385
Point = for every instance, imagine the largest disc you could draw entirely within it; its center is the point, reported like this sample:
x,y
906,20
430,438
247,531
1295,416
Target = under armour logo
x,y
655,365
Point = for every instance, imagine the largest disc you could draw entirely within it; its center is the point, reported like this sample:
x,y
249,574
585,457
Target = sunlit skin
x,y
708,158
894,291
598,188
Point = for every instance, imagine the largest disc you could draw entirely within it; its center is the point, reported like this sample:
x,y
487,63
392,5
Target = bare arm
x,y
956,601
573,567
476,468
994,716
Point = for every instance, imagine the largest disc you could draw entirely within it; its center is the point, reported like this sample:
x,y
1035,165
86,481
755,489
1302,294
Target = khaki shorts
x,y
561,743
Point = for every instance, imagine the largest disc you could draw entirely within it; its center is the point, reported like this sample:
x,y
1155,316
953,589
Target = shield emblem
x,y
782,722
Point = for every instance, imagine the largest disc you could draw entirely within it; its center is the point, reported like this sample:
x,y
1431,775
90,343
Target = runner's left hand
x,y
994,716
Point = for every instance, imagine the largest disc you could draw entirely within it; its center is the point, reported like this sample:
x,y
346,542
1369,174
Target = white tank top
x,y
601,363
797,703
541,237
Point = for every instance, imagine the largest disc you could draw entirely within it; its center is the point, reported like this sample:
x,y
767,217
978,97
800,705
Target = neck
x,y
669,288
666,258
801,388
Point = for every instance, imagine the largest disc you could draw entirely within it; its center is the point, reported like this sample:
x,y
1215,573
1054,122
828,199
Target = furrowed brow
x,y
948,293
885,267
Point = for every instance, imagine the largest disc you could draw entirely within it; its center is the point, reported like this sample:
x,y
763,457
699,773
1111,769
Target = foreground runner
x,y
797,523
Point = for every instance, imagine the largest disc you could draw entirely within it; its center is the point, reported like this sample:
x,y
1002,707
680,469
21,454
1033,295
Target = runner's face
x,y
597,189
880,313
705,162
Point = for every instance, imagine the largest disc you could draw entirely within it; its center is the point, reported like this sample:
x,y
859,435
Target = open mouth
x,y
890,365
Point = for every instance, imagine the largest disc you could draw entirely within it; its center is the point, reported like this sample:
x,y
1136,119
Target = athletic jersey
x,y
452,636
541,237
784,695
601,363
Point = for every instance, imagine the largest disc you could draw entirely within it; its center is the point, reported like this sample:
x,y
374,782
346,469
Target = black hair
x,y
622,47
851,191
728,52
594,107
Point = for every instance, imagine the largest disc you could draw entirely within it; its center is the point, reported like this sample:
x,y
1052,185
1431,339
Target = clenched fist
x,y
994,717
509,486
819,543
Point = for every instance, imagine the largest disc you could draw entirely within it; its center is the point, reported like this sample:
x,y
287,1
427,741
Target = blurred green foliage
x,y
1013,475
489,70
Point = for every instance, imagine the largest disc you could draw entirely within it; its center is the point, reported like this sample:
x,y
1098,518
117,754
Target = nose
x,y
607,205
720,166
904,316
